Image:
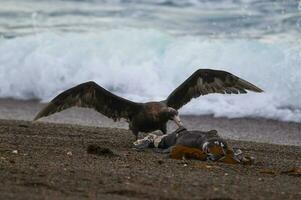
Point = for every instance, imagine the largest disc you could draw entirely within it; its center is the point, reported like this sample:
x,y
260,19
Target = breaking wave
x,y
147,65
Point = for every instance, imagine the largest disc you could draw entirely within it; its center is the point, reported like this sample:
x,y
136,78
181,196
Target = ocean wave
x,y
147,65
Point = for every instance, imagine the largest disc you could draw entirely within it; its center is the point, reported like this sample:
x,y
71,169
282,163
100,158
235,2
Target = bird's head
x,y
172,114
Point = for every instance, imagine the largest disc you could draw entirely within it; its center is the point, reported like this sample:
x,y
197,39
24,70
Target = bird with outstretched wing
x,y
150,116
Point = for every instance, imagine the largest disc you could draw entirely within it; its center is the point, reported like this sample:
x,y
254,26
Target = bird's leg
x,y
135,132
164,129
177,120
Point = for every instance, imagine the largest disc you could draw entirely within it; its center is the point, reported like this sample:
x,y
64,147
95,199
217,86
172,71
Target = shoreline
x,y
245,129
124,128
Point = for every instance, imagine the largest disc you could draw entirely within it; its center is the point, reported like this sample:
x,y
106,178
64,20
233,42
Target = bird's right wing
x,y
91,95
206,81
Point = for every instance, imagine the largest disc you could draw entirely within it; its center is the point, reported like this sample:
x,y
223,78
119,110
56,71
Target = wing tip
x,y
38,116
250,86
256,89
45,111
260,90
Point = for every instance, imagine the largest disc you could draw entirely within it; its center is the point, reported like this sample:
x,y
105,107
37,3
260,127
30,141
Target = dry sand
x,y
50,161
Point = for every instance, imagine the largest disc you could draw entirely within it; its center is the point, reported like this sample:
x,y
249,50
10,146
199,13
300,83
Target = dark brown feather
x,y
206,81
91,95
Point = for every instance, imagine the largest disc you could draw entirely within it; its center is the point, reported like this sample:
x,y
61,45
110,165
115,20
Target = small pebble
x,y
160,162
15,151
69,153
23,125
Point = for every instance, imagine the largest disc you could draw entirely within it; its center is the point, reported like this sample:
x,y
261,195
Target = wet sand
x,y
246,129
45,160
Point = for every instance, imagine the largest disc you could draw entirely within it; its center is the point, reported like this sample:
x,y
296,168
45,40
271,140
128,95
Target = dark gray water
x,y
214,18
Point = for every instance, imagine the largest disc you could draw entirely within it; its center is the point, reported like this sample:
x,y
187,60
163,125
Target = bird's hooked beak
x,y
177,120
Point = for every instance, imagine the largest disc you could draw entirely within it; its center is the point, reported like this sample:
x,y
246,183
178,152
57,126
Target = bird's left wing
x,y
205,81
91,95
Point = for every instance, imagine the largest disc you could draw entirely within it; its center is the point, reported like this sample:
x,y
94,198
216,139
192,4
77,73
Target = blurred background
x,y
142,50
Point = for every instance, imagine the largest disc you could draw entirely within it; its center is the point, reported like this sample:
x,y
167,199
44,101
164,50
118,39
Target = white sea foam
x,y
147,65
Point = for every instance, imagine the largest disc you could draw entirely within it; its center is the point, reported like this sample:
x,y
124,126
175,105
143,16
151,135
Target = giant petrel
x,y
150,116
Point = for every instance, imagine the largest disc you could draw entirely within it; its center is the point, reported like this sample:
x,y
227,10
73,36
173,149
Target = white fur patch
x,y
158,139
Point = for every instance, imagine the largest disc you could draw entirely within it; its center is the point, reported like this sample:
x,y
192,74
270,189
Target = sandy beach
x,y
44,160
179,52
